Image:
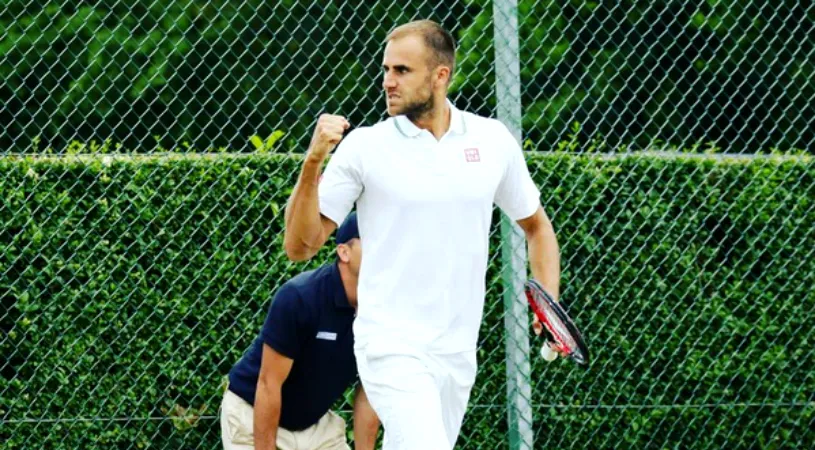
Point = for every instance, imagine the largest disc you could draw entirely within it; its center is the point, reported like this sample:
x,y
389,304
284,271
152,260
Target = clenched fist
x,y
327,134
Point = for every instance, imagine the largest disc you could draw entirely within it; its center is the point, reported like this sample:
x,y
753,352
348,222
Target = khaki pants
x,y
237,422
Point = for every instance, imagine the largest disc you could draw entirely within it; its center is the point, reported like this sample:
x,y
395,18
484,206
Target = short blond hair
x,y
441,44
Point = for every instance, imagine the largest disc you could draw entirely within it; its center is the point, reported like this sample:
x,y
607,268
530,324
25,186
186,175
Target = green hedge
x,y
130,285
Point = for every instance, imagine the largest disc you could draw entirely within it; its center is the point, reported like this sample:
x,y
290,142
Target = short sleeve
x,y
517,194
286,326
341,183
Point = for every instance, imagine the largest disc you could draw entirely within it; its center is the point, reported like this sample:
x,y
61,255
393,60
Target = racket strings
x,y
561,336
557,329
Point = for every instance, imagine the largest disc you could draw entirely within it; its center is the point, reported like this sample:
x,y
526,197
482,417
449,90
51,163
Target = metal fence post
x,y
513,254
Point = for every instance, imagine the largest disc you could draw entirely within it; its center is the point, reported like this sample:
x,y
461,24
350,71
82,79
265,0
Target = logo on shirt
x,y
327,335
471,154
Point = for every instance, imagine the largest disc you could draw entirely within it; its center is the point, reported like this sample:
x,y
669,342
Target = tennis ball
x,y
547,353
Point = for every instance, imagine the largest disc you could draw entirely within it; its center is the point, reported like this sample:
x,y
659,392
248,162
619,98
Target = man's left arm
x,y
544,253
519,198
366,422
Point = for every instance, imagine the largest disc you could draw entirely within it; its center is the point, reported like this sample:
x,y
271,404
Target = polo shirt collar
x,y
336,286
409,129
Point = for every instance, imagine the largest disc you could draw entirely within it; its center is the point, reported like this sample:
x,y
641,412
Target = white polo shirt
x,y
424,209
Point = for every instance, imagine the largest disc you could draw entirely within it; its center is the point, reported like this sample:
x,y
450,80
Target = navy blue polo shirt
x,y
309,321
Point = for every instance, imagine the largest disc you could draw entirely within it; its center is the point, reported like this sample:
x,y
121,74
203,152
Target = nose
x,y
388,82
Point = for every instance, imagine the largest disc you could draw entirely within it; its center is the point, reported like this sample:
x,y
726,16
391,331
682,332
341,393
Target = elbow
x,y
373,425
296,254
263,383
267,384
366,424
297,251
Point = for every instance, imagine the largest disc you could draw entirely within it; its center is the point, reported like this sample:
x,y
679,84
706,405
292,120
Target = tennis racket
x,y
558,329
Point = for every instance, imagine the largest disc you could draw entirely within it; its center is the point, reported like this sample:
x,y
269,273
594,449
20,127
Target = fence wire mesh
x,y
145,74
131,284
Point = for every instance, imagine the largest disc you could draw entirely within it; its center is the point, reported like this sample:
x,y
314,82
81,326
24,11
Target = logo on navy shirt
x,y
471,154
327,335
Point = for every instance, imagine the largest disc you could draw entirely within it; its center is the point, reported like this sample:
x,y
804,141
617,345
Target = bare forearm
x,y
302,238
366,423
304,228
544,258
266,417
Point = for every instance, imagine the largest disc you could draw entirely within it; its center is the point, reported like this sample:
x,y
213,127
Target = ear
x,y
443,75
343,253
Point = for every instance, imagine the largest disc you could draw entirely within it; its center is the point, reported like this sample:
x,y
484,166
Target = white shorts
x,y
420,398
237,429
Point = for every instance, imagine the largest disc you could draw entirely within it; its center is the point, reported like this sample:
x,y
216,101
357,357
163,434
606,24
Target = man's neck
x,y
349,283
436,121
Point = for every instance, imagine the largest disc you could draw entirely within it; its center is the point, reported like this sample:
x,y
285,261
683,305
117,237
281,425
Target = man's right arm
x,y
274,369
366,422
306,229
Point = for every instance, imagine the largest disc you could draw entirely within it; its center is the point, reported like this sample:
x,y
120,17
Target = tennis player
x,y
302,362
424,182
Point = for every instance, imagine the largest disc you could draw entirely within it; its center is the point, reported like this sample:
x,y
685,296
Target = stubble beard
x,y
416,110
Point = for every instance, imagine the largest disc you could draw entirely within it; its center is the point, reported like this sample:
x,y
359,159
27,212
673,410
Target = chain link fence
x,y
131,282
726,74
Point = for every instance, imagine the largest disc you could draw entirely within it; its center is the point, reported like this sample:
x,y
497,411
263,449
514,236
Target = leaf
x,y
272,140
257,142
